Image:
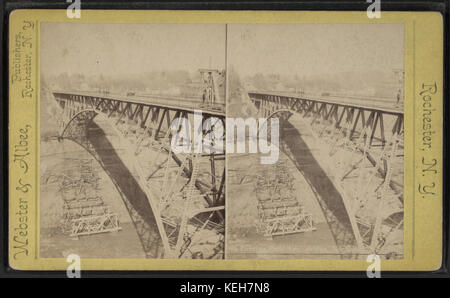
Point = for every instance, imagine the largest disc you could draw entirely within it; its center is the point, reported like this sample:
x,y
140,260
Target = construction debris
x,y
279,210
84,211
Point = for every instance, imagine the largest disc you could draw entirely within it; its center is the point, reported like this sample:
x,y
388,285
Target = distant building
x,y
173,91
279,87
249,86
193,89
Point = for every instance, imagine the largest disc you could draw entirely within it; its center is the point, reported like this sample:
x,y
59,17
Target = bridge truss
x,y
175,201
365,152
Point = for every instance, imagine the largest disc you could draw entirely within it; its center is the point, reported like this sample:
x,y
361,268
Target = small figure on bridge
x,y
204,96
398,96
210,95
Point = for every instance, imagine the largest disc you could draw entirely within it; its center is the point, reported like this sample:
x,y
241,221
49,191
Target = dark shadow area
x,y
127,186
294,146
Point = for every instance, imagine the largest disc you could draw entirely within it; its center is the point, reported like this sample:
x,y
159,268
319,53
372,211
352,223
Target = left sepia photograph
x,y
112,97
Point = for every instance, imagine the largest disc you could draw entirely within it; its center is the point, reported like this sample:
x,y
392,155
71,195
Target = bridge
x,y
353,163
171,198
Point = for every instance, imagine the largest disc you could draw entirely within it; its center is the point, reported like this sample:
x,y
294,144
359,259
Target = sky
x,y
110,49
290,49
314,49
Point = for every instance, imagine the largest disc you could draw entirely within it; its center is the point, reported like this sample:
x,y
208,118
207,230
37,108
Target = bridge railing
x,y
151,99
364,102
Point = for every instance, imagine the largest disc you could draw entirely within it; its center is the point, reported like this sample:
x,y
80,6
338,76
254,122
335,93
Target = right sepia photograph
x,y
315,169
